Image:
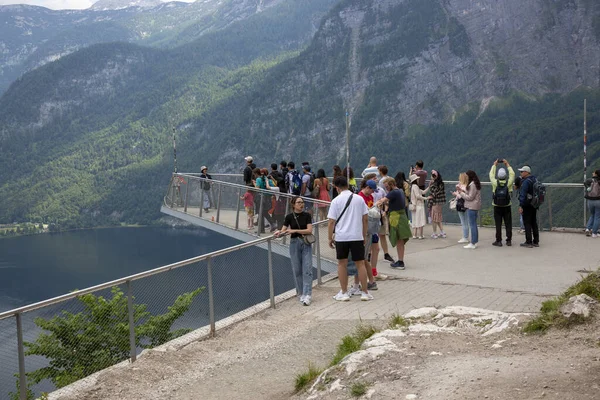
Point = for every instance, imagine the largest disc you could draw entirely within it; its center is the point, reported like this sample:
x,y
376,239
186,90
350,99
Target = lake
x,y
35,268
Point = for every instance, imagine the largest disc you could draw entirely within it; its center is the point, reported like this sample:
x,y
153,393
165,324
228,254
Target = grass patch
x,y
358,389
302,380
352,343
398,321
550,315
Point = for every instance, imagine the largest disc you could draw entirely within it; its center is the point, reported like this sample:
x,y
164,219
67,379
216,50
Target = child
x,y
248,198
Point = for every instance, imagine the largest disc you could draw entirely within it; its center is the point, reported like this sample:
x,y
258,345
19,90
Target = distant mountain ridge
x,y
32,36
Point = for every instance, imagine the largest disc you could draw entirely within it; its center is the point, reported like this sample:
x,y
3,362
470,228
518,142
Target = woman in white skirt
x,y
417,207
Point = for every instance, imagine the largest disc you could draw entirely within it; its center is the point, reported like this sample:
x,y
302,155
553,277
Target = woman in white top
x,y
463,182
417,207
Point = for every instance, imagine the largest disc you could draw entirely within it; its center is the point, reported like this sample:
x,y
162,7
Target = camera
x,y
500,160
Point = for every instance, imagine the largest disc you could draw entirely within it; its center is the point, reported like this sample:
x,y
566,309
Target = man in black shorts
x,y
348,217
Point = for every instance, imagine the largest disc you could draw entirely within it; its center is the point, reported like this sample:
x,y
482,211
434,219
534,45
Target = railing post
x,y
201,198
21,352
219,202
287,211
187,191
550,209
271,281
211,300
132,346
318,253
237,210
261,220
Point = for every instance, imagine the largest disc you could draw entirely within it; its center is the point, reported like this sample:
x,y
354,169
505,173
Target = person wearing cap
x,y
206,187
250,166
503,177
366,193
532,234
417,206
398,220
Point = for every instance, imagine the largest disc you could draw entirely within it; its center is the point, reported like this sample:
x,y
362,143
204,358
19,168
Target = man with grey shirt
x,y
371,168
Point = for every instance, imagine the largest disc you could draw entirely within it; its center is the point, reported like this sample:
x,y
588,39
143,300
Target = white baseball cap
x,y
525,168
248,158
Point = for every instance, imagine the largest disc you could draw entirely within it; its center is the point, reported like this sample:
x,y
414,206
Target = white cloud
x,y
52,4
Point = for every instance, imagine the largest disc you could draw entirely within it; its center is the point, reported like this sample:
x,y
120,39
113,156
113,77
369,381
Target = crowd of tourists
x,y
362,218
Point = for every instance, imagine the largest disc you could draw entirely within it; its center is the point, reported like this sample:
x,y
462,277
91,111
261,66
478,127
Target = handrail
x,y
106,285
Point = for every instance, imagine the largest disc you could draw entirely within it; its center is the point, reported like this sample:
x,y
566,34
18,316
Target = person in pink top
x,y
248,198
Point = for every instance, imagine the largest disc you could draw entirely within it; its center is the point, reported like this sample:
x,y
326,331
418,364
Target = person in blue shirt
x,y
532,234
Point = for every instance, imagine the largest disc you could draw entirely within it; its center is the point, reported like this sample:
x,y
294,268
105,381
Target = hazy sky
x,y
53,4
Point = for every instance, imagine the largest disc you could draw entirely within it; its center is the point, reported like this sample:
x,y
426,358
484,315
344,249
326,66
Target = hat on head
x,y
525,168
501,173
202,168
412,178
371,183
248,158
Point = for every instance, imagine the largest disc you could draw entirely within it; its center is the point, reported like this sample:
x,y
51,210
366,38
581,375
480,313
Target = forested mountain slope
x,y
453,82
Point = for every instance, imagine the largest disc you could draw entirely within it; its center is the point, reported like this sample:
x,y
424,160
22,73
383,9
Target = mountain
x,y
454,82
32,36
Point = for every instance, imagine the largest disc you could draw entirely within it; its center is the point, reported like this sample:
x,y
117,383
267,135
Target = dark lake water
x,y
35,268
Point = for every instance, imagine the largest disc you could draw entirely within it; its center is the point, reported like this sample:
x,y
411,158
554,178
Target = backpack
x,y
295,183
311,183
592,189
501,195
538,194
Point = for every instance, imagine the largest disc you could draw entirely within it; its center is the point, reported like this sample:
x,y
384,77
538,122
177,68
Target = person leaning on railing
x,y
299,223
592,194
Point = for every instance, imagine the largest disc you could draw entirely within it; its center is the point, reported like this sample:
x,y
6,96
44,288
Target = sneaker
x,y
588,232
354,291
341,296
594,235
306,300
381,277
206,210
442,235
470,246
372,286
497,243
508,243
302,299
463,240
535,244
421,237
400,264
387,257
528,245
434,236
522,231
366,296
414,237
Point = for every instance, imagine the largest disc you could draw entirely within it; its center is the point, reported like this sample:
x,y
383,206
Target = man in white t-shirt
x,y
348,217
306,178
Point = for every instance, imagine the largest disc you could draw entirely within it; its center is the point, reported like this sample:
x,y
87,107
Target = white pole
x,y
584,158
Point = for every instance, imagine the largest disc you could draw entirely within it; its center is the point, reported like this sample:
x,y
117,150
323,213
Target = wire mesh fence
x,y
75,335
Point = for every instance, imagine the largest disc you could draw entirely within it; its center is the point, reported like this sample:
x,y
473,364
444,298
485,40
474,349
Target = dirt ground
x,y
259,358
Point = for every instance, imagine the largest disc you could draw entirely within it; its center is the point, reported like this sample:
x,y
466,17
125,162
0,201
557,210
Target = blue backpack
x,y
296,183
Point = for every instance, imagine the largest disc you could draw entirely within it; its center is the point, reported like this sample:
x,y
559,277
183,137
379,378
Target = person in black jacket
x,y
527,210
205,187
250,166
592,194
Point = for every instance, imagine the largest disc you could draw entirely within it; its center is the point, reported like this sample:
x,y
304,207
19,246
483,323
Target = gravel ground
x,y
260,358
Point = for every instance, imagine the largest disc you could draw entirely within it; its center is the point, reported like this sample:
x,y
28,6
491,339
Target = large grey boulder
x,y
578,305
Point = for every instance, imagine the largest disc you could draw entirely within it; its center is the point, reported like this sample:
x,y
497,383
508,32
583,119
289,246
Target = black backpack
x,y
311,184
501,194
538,194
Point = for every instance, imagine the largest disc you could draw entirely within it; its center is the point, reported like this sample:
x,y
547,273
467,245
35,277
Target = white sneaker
x,y
594,235
421,237
354,291
366,296
341,296
470,246
306,300
381,277
434,236
443,235
414,237
463,240
302,299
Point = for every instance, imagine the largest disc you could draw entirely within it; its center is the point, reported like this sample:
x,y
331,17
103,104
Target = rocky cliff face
x,y
395,64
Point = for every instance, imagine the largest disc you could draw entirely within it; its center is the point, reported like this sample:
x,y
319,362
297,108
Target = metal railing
x,y
562,208
234,279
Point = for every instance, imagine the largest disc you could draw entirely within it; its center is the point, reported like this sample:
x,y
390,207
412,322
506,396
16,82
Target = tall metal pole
x,y
348,146
174,152
584,158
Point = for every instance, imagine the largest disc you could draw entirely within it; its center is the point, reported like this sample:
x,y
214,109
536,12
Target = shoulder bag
x,y
309,238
